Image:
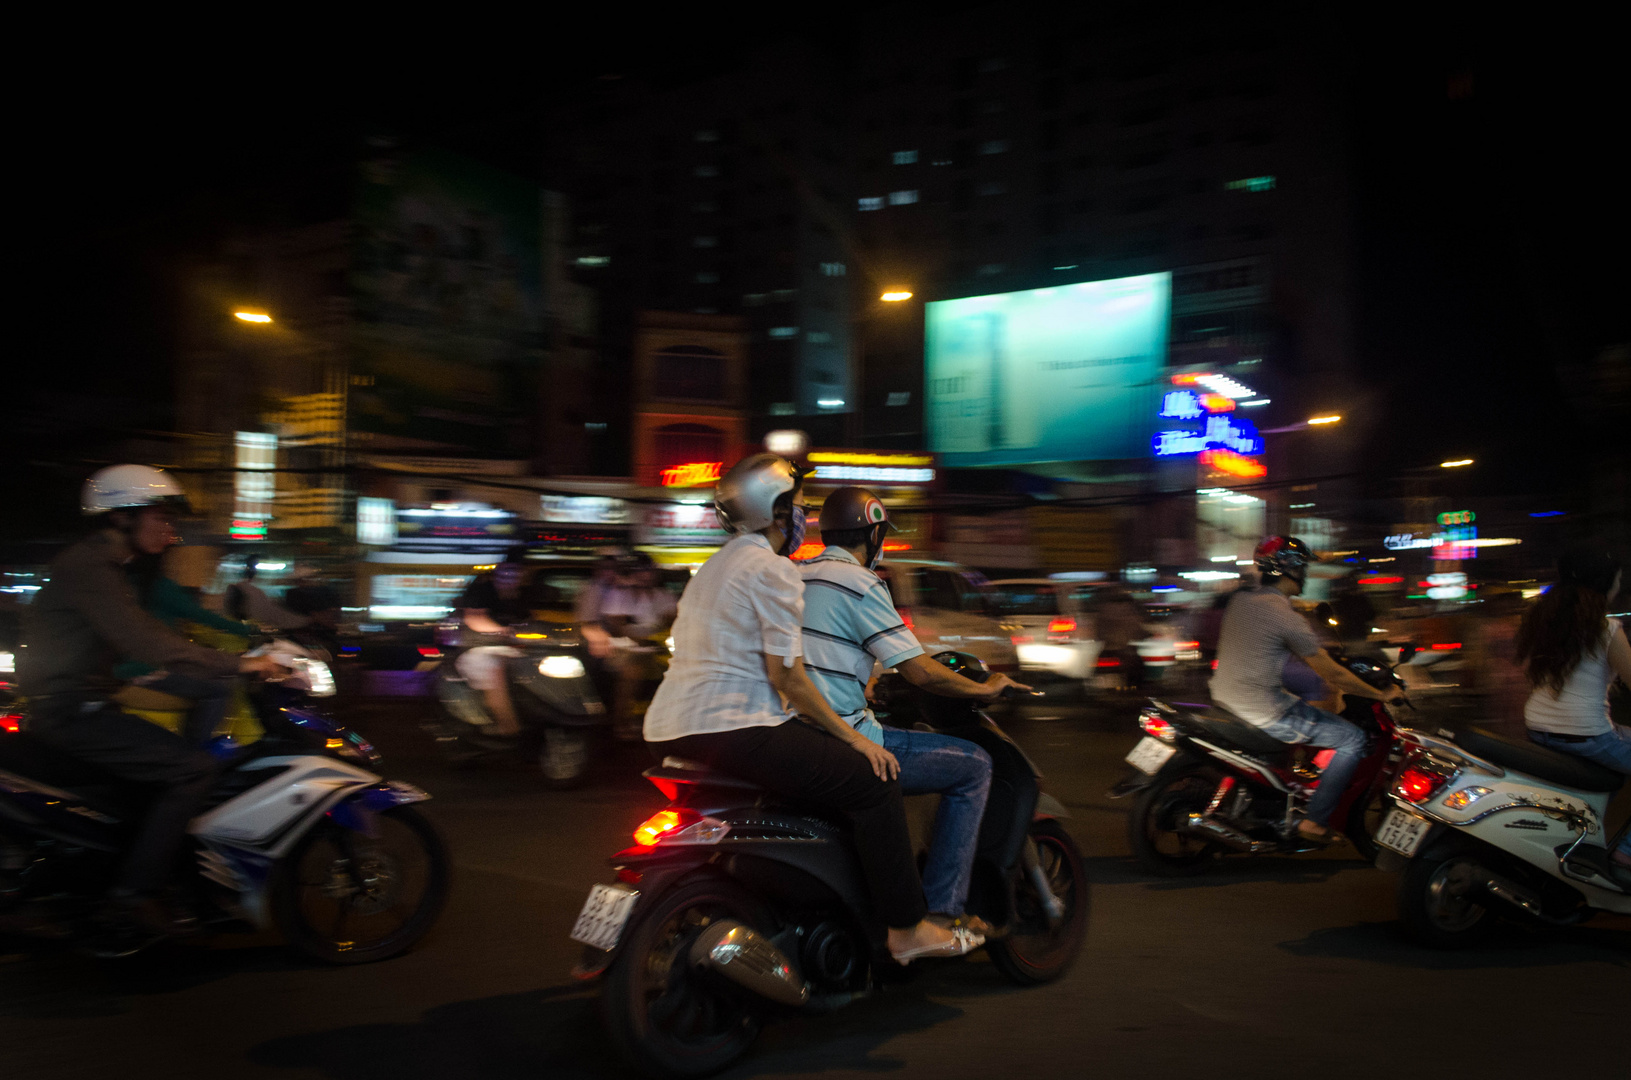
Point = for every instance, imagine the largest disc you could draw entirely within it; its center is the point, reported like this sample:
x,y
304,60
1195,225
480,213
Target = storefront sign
x,y
1227,461
693,474
834,467
1220,432
584,510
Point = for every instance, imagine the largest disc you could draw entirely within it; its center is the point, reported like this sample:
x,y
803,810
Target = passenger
x,y
490,607
738,669
1572,652
635,612
1260,630
850,623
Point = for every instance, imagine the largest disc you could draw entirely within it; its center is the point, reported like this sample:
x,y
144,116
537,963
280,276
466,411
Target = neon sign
x,y
693,474
1220,433
1227,461
1181,405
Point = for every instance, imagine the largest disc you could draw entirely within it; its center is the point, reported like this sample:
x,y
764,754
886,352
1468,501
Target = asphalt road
x,y
1265,968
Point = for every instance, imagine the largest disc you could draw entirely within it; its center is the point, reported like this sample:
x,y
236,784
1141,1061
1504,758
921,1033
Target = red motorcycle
x,y
1209,783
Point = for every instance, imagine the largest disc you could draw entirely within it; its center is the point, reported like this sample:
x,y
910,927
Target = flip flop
x,y
961,942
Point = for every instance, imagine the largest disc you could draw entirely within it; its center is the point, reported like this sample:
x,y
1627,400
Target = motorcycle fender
x,y
1049,807
658,871
572,702
359,809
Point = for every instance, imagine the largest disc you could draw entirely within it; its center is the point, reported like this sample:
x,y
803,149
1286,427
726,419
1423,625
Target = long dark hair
x,y
1566,624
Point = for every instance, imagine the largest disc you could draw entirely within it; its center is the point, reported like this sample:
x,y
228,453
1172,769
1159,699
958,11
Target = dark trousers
x,y
133,749
800,762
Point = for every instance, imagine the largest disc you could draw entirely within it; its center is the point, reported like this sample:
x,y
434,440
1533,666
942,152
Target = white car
x,y
1059,632
949,606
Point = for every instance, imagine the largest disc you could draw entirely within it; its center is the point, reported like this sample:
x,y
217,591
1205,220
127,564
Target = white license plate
x,y
1150,754
604,915
1402,831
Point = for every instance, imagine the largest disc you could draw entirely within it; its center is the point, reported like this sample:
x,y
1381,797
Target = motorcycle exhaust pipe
x,y
1213,829
751,961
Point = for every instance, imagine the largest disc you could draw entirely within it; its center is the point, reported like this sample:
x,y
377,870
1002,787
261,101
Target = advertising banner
x,y
1067,373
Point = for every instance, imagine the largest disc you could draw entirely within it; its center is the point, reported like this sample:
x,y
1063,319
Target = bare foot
x,y
1313,830
916,937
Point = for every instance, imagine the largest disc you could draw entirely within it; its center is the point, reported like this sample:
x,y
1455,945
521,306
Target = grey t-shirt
x,y
1260,630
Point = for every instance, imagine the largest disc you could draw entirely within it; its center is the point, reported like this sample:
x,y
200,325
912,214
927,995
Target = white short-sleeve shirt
x,y
743,603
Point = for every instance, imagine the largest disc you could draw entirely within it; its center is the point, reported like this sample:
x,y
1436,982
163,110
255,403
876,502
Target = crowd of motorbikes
x,y
733,906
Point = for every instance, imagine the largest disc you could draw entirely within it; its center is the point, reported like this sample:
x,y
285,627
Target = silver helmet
x,y
745,500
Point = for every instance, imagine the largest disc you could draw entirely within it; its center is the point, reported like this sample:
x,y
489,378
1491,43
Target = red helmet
x,y
1284,556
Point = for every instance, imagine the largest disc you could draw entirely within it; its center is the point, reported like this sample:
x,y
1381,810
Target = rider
x,y
85,619
491,605
850,623
738,674
635,610
1260,630
1572,652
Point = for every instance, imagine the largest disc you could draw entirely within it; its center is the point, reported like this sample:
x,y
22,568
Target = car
x,y
949,606
1059,627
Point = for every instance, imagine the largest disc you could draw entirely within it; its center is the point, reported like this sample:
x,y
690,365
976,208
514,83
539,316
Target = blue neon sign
x,y
1182,405
1220,433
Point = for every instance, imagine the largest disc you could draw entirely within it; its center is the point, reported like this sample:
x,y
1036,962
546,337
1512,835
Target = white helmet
x,y
745,500
120,487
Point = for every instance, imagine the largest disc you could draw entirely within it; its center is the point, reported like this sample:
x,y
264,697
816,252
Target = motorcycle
x,y
1208,782
299,833
1481,826
554,698
734,905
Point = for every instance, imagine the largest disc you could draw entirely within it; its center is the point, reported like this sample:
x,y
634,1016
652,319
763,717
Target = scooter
x,y
299,833
1208,782
1482,826
554,698
734,906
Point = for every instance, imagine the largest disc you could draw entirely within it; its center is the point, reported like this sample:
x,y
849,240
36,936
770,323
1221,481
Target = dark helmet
x,y
852,514
950,712
1283,556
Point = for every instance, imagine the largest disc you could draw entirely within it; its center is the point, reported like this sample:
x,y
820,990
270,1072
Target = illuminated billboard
x,y
1066,373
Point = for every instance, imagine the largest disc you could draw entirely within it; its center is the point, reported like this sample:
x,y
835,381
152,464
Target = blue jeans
x,y
1611,750
960,773
1304,725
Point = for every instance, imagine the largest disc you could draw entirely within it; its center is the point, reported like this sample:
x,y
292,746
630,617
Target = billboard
x,y
1066,373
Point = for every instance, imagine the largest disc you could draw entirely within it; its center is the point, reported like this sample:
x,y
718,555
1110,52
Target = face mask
x,y
795,532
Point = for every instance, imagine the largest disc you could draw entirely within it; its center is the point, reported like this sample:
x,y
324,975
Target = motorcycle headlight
x,y
560,667
318,678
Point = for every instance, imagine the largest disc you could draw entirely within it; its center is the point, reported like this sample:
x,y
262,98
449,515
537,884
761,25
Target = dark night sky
x,y
1493,229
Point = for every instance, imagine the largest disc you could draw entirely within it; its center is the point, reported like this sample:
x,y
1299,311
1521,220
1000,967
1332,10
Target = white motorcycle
x,y
298,833
1483,826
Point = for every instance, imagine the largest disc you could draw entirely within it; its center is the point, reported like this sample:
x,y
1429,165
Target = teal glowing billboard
x,y
1066,373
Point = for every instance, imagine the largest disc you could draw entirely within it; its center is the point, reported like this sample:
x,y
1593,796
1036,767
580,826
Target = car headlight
x,y
560,667
8,663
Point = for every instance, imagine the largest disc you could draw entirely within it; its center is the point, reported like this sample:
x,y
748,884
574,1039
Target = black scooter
x,y
734,904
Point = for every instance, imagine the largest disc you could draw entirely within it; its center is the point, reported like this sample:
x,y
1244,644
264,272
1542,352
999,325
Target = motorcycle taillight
x,y
1157,728
1418,782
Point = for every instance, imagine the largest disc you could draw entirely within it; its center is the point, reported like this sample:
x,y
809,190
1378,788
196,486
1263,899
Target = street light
x,y
252,316
1324,419
894,296
1455,464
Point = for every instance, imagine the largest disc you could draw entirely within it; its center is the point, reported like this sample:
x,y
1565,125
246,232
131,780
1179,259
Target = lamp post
x,y
891,298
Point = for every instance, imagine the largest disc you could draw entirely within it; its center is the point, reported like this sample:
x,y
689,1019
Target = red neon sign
x,y
693,474
1227,461
1217,403
1185,379
1381,581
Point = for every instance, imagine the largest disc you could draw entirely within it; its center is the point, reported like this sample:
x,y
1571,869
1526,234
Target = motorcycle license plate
x,y
1403,832
1150,754
604,915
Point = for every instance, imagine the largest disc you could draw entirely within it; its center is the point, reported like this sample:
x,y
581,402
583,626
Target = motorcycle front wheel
x,y
563,757
661,1014
1153,826
1034,953
346,898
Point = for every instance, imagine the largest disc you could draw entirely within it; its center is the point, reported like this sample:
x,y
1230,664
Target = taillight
x,y
11,721
680,825
1416,784
430,652
1445,646
1157,728
1109,661
1062,626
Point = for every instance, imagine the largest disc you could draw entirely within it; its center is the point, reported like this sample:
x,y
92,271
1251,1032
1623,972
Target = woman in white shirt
x,y
1572,652
737,680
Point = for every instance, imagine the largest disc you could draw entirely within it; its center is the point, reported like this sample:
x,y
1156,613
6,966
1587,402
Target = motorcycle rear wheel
x,y
1031,959
1438,902
662,1017
1152,826
344,898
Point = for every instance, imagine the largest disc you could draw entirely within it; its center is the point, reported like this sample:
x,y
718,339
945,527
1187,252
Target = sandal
x,y
960,943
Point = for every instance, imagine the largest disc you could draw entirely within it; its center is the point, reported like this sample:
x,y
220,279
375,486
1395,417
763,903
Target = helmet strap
x,y
874,544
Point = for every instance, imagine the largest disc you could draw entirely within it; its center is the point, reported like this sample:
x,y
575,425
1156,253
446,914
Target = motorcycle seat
x,y
29,757
1225,726
1539,761
685,771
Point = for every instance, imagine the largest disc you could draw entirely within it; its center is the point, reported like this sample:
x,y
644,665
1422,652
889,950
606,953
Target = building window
x,y
904,157
832,269
707,277
994,146
705,208
991,269
902,198
783,331
706,170
707,135
993,187
689,373
1251,183
753,299
705,241
783,295
818,337
869,203
681,444
783,408
898,397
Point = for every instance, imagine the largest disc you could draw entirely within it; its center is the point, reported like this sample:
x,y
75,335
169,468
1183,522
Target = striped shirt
x,y
850,623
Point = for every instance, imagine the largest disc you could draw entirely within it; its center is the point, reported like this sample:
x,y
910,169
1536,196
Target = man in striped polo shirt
x,y
850,624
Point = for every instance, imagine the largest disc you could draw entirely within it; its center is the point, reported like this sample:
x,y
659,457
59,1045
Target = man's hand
x,y
996,684
882,761
264,666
